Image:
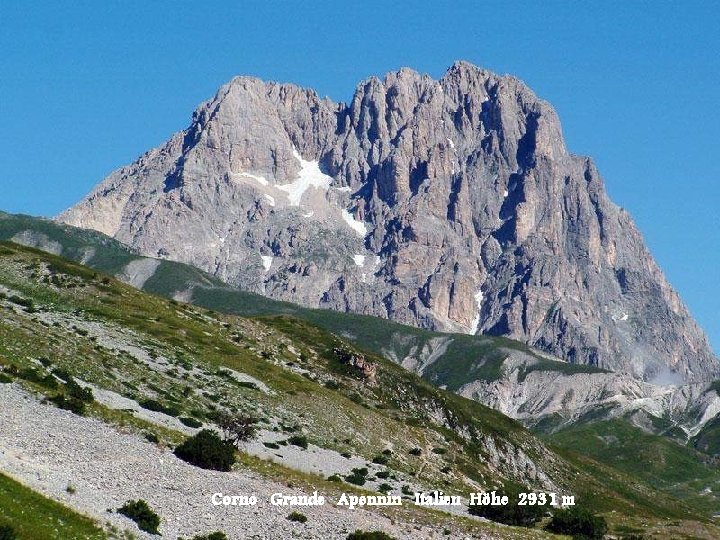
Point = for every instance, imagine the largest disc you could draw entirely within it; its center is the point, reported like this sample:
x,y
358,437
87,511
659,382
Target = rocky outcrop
x,y
449,204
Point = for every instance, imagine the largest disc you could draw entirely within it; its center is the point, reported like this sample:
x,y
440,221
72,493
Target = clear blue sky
x,y
88,86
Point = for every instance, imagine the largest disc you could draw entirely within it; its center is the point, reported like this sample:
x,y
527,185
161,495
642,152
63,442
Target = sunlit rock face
x,y
449,204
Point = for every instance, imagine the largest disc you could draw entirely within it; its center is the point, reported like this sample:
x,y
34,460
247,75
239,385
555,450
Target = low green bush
x,y
74,390
7,533
369,535
156,406
141,513
511,513
207,450
357,476
71,404
579,523
299,440
298,517
217,535
190,421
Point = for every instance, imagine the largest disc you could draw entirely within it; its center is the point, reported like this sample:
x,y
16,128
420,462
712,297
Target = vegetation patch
x,y
141,513
29,515
579,523
207,450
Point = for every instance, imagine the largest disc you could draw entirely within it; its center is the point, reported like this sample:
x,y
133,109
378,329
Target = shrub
x,y
7,533
510,513
156,406
334,478
151,437
369,535
383,474
20,301
384,487
190,422
299,440
74,390
4,379
33,375
272,445
297,516
332,385
579,523
142,514
358,476
69,404
439,451
415,452
217,535
63,374
207,450
381,459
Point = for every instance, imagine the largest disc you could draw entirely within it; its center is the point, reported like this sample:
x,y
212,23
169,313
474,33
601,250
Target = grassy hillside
x,y
33,516
466,358
60,319
657,461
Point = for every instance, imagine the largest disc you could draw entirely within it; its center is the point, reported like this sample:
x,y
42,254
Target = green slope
x,y
657,461
63,313
33,516
466,358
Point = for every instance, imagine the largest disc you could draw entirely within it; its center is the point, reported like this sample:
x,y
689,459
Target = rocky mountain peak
x,y
450,204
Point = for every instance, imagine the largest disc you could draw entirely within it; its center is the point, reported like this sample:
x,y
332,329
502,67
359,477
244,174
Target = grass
x,y
34,516
657,461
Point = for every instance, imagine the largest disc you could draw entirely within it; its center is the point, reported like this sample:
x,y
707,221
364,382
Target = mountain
x,y
451,205
159,369
541,391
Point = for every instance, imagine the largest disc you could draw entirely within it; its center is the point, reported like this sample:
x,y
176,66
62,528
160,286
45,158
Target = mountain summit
x,y
451,204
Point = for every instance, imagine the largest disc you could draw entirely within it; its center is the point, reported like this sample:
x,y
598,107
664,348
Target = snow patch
x,y
478,303
346,189
259,179
451,143
311,213
270,199
358,226
359,260
505,193
267,261
309,176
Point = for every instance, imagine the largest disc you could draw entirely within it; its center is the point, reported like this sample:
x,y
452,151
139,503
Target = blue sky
x,y
88,86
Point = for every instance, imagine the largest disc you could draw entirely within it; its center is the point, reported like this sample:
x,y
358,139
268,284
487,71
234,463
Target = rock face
x,y
449,204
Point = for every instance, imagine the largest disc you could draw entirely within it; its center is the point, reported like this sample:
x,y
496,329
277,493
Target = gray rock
x,y
451,204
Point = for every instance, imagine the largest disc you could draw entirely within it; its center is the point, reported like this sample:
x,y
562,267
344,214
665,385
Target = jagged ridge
x,y
449,204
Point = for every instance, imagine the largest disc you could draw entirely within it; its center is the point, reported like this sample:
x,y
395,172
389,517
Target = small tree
x,y
238,428
207,450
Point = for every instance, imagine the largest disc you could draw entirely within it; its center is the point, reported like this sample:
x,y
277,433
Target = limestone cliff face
x,y
449,204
